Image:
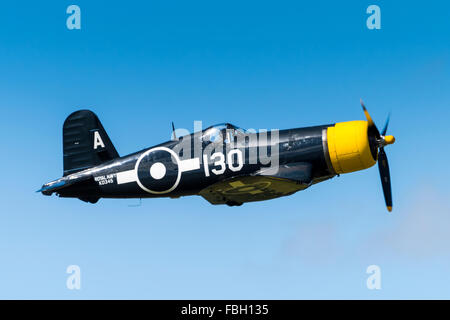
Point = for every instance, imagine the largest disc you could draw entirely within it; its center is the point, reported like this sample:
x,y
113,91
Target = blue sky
x,y
257,64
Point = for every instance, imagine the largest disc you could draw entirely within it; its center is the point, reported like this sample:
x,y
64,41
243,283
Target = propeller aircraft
x,y
224,164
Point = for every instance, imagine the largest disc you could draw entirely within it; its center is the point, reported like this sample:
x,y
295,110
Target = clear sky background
x,y
257,64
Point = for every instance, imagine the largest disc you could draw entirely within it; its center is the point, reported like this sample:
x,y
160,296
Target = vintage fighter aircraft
x,y
223,163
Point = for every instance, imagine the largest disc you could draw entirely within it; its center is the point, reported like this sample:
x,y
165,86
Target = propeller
x,y
377,142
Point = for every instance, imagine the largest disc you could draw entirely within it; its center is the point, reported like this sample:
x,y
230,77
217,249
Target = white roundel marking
x,y
158,171
174,155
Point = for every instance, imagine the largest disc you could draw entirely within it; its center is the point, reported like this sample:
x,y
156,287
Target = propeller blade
x,y
372,127
383,166
383,132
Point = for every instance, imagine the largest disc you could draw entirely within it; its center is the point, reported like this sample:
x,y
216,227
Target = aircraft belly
x,y
250,188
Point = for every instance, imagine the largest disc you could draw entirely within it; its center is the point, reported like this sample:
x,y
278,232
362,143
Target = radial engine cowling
x,y
348,146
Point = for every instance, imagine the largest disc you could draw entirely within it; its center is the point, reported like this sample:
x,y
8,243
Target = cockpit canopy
x,y
225,131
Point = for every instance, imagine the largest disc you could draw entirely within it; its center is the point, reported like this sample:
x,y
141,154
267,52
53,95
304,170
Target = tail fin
x,y
85,142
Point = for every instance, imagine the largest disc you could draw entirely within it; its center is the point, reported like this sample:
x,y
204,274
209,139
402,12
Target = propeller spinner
x,y
377,143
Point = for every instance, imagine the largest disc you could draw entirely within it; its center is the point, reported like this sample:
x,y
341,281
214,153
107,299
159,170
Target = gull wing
x,y
267,183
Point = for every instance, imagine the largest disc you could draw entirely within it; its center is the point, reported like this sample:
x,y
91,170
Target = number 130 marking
x,y
220,162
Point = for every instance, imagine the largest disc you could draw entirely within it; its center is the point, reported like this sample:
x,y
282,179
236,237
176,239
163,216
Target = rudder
x,y
85,142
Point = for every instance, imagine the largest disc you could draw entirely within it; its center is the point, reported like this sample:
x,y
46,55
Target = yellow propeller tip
x,y
389,208
389,139
366,113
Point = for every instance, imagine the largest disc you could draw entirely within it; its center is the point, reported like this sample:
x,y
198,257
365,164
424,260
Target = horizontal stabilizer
x,y
62,183
52,187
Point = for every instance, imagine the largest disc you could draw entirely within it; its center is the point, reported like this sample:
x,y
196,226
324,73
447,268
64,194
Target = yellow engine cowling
x,y
348,146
